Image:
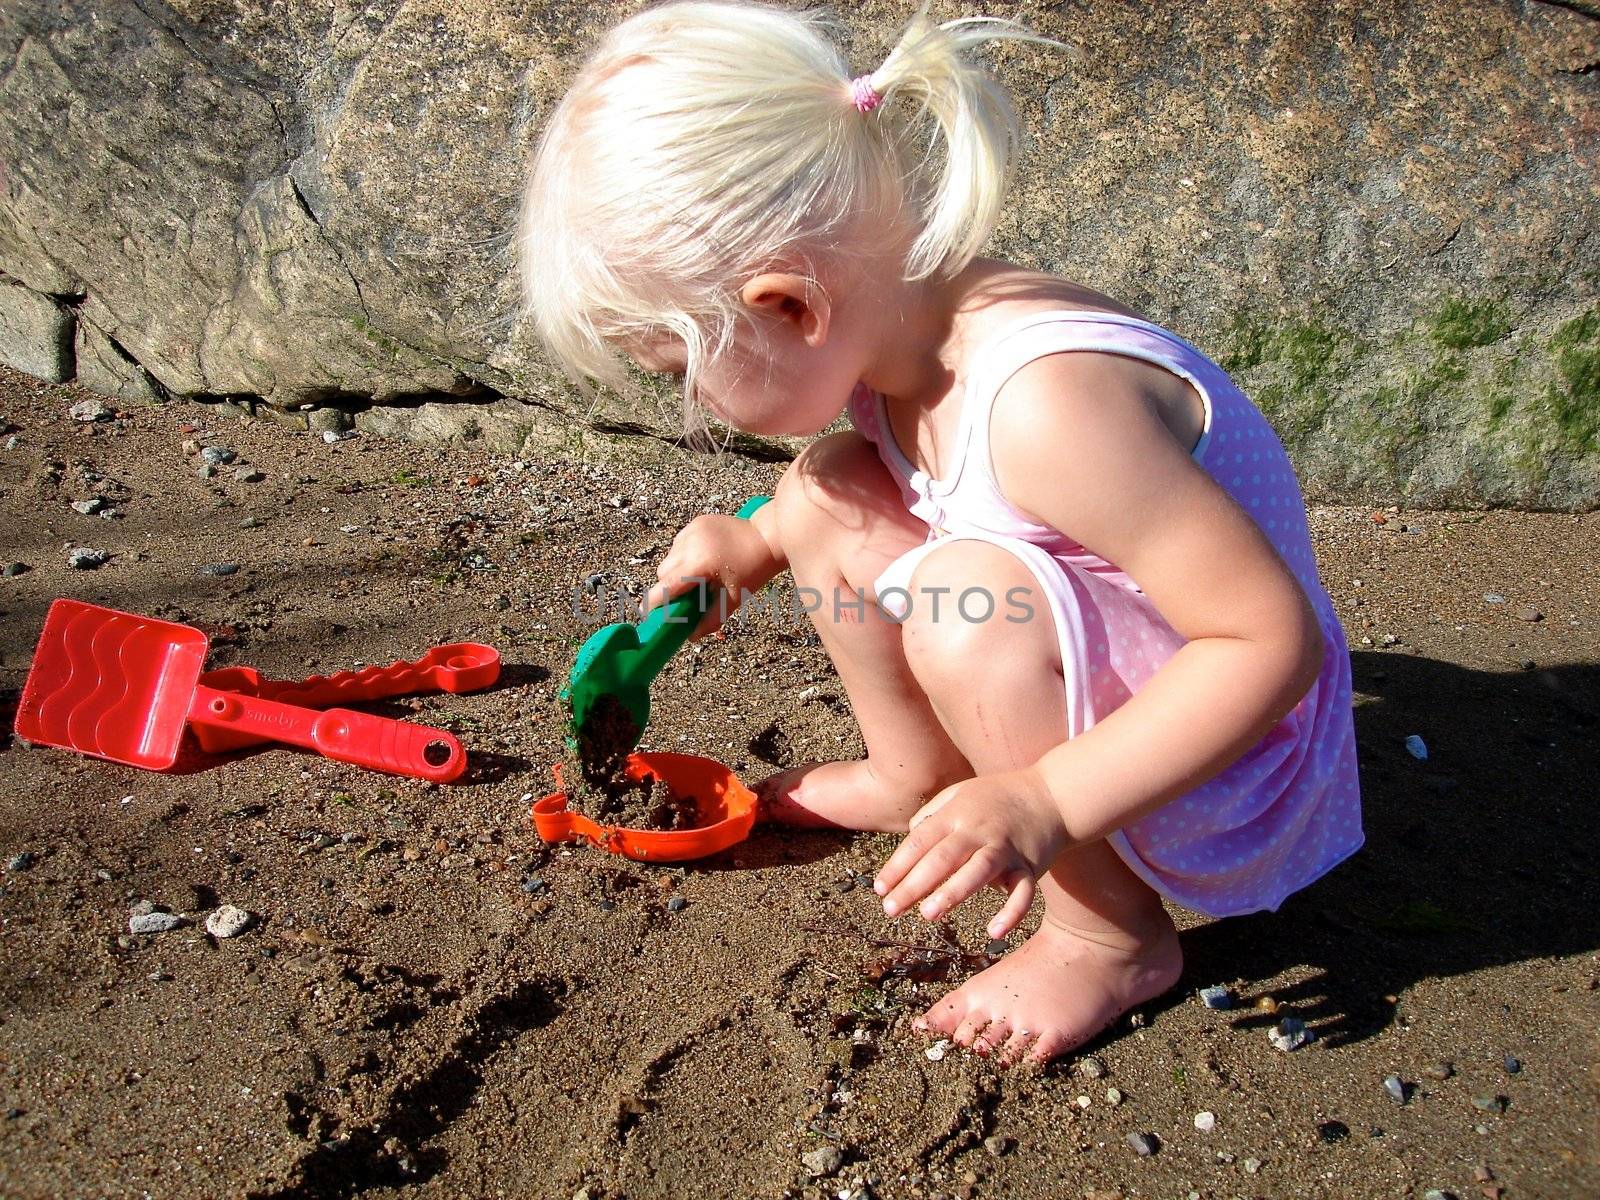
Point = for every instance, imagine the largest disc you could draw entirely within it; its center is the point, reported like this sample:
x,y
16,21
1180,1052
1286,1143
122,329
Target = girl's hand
x,y
1001,830
712,551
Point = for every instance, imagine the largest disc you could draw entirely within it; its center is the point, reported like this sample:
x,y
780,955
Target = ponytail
x,y
957,206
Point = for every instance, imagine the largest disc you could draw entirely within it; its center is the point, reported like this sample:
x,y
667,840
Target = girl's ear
x,y
791,298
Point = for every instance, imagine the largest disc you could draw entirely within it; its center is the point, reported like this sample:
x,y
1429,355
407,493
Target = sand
x,y
432,1002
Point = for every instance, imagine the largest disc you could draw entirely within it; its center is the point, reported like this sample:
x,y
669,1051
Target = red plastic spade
x,y
123,687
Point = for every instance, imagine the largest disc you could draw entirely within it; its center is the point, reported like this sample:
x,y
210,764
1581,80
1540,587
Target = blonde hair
x,y
704,141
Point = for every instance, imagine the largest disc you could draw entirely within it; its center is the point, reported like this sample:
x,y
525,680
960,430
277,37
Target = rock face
x,y
1381,218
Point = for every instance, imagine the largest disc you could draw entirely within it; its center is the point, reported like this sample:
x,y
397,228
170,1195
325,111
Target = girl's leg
x,y
1106,943
842,521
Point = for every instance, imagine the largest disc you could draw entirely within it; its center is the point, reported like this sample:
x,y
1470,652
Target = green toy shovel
x,y
621,661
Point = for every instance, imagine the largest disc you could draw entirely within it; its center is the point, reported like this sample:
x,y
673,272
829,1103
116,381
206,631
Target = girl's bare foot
x,y
1057,991
848,795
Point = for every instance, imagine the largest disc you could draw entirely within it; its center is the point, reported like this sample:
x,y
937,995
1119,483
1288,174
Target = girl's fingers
x,y
940,862
1021,886
974,875
911,848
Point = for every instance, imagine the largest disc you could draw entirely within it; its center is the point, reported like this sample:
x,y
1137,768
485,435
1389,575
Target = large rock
x,y
1382,218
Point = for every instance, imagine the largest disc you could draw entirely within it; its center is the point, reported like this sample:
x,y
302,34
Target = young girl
x,y
1094,663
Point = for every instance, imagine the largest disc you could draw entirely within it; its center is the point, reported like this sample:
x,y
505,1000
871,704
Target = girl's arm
x,y
1079,446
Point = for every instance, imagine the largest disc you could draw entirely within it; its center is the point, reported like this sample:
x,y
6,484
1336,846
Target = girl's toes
x,y
993,1037
943,1017
1016,1046
1048,1045
971,1027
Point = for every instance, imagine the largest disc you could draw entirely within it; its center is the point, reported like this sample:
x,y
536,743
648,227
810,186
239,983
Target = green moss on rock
x,y
1462,323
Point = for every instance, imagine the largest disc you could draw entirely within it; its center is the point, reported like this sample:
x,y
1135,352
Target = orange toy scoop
x,y
724,808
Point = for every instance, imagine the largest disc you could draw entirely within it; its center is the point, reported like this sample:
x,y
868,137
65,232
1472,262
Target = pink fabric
x,y
1286,812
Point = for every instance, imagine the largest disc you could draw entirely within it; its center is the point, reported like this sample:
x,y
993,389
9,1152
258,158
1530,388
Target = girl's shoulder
x,y
1003,295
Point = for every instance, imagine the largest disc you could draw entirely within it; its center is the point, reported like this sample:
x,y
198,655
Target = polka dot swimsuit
x,y
1286,812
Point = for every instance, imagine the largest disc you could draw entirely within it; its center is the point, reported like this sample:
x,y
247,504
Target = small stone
x,y
13,442
249,474
1084,1102
1266,1004
1395,1088
219,570
1290,1034
1513,1065
1417,748
1439,1070
1252,1166
677,904
139,907
996,947
228,921
90,506
938,1050
91,410
337,435
1482,1174
86,559
1493,598
1438,1194
1144,1144
154,922
217,456
1113,1096
20,862
1494,1104
997,1145
822,1161
533,885
205,470
1091,1068
251,523
1205,1122
1529,613
1216,997
13,569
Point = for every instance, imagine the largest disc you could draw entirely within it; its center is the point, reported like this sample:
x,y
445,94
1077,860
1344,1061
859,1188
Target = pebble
x,y
1440,1070
13,569
938,1050
1417,748
205,470
1290,1034
86,559
1113,1096
1395,1088
1216,997
217,456
1252,1166
249,474
1084,1102
533,885
1493,598
251,523
90,506
824,1160
1529,613
996,947
1144,1144
218,570
1438,1194
1205,1122
154,922
1494,1104
337,435
1513,1065
228,921
676,904
20,862
1091,1068
997,1145
13,442
91,410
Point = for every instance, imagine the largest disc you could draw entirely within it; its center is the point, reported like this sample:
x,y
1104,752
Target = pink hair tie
x,y
864,95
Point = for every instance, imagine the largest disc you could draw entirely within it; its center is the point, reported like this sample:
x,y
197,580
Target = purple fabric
x,y
1286,812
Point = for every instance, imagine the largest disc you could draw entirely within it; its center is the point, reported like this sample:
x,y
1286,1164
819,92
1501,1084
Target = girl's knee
x,y
975,613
